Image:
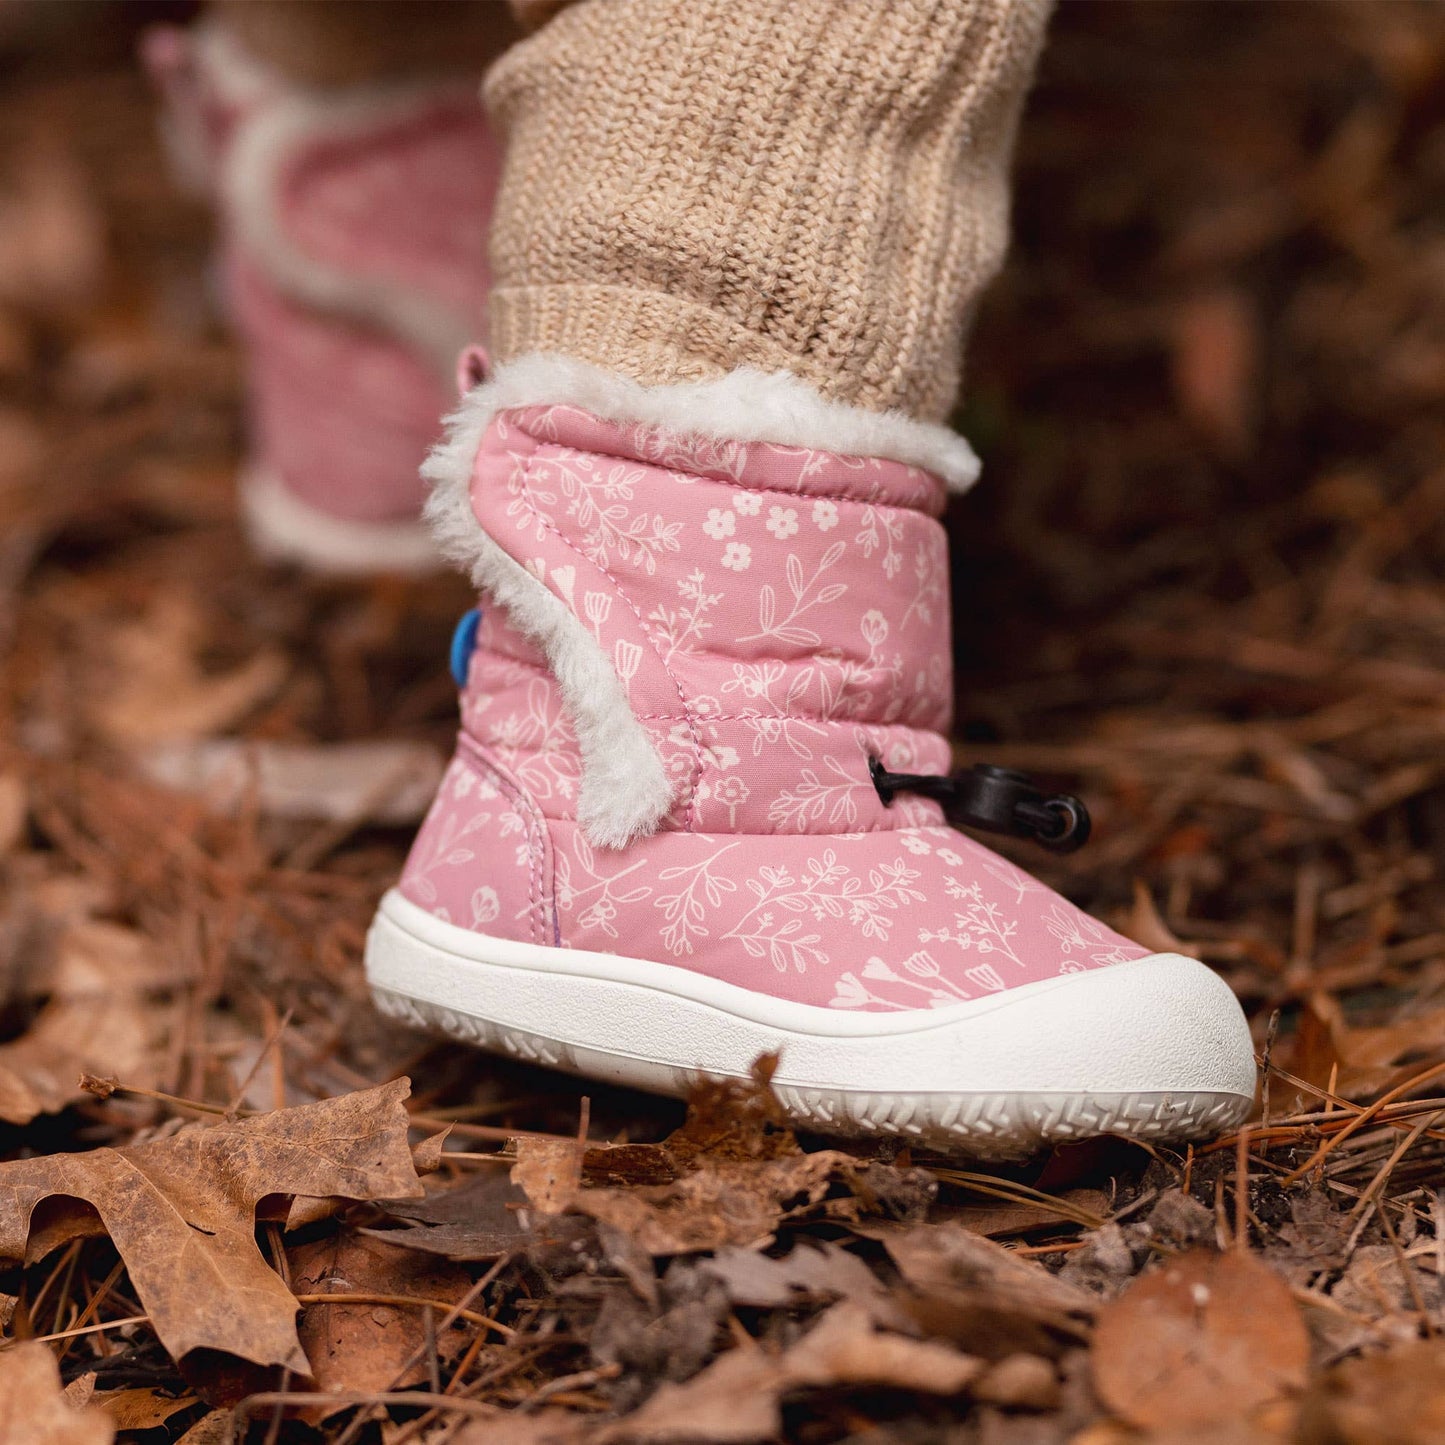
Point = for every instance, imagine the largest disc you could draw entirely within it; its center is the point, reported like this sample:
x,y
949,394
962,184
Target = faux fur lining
x,y
625,792
746,405
266,143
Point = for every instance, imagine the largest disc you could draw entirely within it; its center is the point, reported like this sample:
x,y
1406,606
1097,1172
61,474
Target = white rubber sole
x,y
1157,1048
283,528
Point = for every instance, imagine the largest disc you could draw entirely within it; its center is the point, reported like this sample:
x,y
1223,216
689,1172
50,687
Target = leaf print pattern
x,y
766,682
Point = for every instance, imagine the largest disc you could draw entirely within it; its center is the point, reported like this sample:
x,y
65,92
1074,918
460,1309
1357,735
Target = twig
x,y
73,1332
1318,1156
406,1301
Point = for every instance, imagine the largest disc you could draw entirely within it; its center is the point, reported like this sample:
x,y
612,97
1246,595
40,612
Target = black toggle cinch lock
x,y
996,800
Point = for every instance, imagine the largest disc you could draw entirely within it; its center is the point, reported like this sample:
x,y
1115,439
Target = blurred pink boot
x,y
714,632
353,223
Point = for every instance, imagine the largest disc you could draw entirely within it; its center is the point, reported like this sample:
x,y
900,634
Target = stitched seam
x,y
520,469
536,830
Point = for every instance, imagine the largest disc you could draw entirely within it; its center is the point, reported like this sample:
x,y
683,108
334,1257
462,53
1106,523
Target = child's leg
x,y
697,185
700,809
352,171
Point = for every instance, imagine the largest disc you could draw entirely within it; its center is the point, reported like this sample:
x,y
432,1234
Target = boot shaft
x,y
774,615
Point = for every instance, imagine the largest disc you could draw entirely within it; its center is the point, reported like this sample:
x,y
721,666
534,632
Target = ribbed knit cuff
x,y
821,186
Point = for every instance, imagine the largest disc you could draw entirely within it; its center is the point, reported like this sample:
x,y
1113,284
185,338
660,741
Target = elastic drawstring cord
x,y
996,800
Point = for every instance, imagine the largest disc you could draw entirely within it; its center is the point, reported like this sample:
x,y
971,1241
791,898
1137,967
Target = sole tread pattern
x,y
1004,1125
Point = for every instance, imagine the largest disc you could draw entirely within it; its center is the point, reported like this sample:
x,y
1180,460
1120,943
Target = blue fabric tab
x,y
464,639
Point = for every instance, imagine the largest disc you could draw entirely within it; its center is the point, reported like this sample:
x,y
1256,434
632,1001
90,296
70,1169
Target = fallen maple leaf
x,y
1205,1339
34,1410
182,1212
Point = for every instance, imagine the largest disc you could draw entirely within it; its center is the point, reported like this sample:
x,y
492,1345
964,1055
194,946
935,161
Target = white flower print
x,y
737,556
915,844
537,744
795,808
598,495
825,514
485,905
681,628
827,890
979,924
1005,872
782,522
720,524
728,792
700,891
895,990
947,855
787,628
749,504
882,529
1077,931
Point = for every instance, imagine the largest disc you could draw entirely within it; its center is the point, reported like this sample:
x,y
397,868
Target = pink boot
x,y
711,613
353,225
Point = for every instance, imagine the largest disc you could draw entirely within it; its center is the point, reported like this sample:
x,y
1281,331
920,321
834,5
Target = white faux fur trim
x,y
254,168
235,76
283,528
625,792
746,405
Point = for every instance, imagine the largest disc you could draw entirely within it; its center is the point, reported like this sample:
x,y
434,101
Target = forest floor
x,y
1201,584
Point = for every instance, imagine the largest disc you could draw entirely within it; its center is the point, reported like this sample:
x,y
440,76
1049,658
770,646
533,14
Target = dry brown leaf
x,y
104,1017
735,1202
738,1397
213,1429
1395,1398
14,804
154,688
362,1347
974,1292
384,782
470,1222
181,1211
1146,926
729,1176
812,1271
141,1409
34,1411
52,243
1019,1382
1206,1338
548,1172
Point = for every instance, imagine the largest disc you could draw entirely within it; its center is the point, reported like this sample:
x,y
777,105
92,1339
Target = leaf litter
x,y
1204,590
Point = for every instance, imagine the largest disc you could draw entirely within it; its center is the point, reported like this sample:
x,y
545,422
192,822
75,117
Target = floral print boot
x,y
352,222
713,633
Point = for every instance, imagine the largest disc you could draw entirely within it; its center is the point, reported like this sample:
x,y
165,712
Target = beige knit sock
x,y
816,185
